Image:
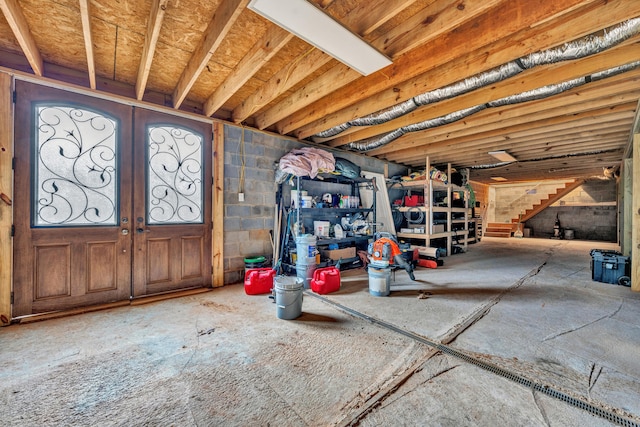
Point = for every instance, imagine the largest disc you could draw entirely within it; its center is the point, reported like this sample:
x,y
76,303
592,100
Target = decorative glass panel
x,y
75,172
174,178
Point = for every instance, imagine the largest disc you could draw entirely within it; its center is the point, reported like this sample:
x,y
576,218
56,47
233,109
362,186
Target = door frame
x,y
7,82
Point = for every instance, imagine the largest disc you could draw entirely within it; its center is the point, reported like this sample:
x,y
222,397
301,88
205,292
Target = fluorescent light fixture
x,y
498,178
503,156
317,28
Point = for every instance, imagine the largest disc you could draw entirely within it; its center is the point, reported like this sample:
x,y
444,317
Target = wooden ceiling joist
x,y
274,40
495,121
526,81
14,16
223,19
473,60
85,17
367,18
219,59
154,25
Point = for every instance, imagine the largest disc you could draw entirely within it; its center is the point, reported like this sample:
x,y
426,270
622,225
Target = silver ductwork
x,y
536,94
540,159
586,46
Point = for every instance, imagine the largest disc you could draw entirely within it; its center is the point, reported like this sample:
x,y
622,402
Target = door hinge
x,y
15,96
212,269
13,163
11,298
13,230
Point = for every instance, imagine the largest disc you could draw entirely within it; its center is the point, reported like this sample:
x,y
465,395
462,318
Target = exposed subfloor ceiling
x,y
221,59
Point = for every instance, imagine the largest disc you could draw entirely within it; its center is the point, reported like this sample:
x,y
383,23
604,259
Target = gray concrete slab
x,y
527,306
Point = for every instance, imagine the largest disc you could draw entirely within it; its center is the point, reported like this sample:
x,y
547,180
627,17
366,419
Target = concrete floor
x,y
527,307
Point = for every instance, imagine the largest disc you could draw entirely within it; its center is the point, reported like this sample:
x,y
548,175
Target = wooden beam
x,y
604,94
85,16
270,44
361,20
373,15
435,19
635,233
6,197
223,19
154,25
217,241
342,75
547,137
523,82
14,16
454,57
282,81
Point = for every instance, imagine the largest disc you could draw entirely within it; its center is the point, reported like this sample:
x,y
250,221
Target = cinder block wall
x,y
247,225
590,211
515,199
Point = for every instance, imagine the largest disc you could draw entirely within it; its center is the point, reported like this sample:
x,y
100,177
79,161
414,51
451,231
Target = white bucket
x,y
305,247
379,281
306,202
294,197
569,234
288,292
321,228
304,273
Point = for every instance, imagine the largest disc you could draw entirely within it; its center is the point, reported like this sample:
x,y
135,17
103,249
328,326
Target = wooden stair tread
x,y
506,234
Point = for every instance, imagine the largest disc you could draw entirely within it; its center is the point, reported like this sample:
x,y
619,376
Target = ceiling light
x,y
498,178
317,28
503,156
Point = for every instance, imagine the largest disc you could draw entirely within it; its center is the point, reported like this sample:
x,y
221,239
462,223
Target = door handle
x,y
124,231
142,230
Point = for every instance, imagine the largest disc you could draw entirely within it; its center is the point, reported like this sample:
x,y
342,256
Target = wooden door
x,y
72,244
172,203
113,202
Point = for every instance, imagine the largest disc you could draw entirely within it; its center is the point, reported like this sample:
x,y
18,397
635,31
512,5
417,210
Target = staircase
x,y
545,203
499,229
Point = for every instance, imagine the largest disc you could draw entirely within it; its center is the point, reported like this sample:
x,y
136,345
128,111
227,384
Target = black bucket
x,y
255,262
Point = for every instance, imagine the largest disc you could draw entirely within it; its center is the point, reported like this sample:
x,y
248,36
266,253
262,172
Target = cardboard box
x,y
438,228
336,254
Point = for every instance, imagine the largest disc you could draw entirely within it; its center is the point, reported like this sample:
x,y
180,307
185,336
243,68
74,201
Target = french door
x,y
111,201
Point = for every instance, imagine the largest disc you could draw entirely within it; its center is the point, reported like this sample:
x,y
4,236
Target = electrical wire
x,y
410,220
242,163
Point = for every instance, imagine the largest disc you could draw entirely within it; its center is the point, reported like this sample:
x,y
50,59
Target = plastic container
x,y
321,228
288,296
306,202
325,280
569,234
610,267
255,262
379,281
306,248
258,281
304,272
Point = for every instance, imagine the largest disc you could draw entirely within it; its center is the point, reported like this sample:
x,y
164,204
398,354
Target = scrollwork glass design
x,y
75,168
174,177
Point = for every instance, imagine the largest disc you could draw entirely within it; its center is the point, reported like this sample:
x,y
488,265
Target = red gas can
x,y
258,281
325,280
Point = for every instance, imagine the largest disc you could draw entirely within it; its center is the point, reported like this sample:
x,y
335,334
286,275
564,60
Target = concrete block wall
x,y
597,223
247,224
590,211
515,199
592,192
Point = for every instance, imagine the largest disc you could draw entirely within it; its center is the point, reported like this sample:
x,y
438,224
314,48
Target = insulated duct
x,y
540,159
581,48
536,94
